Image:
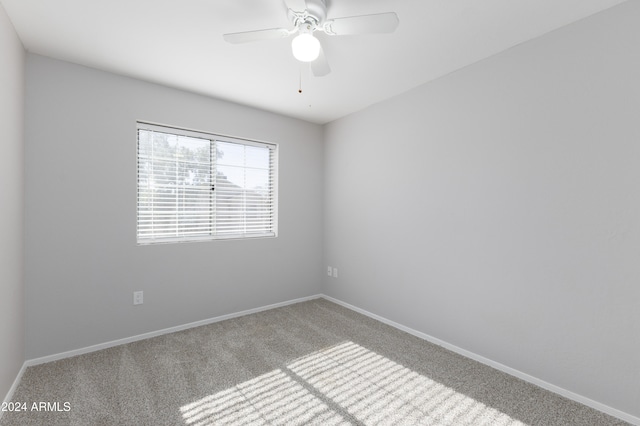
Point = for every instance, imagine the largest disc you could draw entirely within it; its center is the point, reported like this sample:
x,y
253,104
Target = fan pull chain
x,y
300,80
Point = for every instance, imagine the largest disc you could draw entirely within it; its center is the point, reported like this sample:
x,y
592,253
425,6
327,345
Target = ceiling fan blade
x,y
249,36
320,67
363,24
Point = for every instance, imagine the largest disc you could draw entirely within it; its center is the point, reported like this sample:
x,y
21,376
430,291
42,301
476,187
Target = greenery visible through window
x,y
196,186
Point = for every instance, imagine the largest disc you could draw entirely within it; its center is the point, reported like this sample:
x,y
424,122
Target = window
x,y
196,186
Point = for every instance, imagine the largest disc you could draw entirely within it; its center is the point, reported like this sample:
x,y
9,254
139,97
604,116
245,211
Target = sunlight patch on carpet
x,y
371,388
376,390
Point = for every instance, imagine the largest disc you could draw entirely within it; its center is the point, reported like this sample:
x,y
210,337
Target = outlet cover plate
x,y
138,298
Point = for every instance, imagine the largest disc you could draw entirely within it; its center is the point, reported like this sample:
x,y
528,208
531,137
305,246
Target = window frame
x,y
213,138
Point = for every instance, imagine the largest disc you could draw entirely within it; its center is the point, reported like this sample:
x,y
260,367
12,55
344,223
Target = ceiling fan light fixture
x,y
309,16
305,47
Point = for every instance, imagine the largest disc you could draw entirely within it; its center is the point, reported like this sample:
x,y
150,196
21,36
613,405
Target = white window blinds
x,y
196,186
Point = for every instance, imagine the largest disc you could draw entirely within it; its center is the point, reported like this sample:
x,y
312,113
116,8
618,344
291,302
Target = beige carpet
x,y
310,363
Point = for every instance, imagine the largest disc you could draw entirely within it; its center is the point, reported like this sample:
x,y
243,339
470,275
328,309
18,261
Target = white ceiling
x,y
179,43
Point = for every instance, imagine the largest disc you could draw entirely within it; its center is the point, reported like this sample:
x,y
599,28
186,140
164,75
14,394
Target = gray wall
x,y
11,204
497,208
82,261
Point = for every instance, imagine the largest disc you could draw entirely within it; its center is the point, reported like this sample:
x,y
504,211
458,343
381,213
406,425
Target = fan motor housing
x,y
317,9
315,13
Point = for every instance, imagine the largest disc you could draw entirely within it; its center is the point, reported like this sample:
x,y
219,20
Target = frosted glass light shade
x,y
305,47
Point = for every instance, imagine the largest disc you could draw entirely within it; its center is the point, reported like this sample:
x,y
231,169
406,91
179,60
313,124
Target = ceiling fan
x,y
308,16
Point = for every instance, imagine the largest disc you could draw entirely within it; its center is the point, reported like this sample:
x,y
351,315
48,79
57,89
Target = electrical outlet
x,y
329,269
335,272
138,298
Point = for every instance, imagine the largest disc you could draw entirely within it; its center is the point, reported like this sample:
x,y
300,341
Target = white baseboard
x,y
100,346
511,371
13,387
